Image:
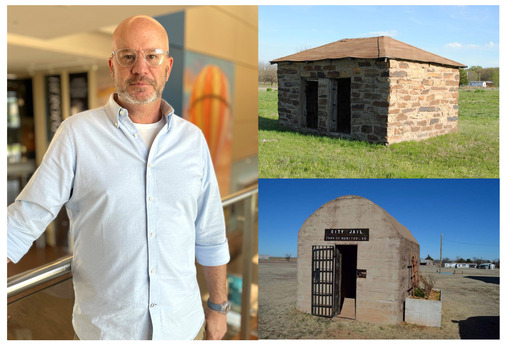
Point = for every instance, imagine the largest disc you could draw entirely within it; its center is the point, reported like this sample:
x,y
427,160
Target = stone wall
x,y
423,102
391,101
369,96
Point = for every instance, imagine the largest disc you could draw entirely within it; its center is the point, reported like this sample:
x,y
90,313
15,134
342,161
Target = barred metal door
x,y
325,280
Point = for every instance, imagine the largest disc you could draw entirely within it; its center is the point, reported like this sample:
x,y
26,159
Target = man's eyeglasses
x,y
127,57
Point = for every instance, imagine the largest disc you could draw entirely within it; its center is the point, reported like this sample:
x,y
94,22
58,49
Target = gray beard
x,y
126,97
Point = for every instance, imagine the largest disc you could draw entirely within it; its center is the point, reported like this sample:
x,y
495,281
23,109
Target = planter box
x,y
423,312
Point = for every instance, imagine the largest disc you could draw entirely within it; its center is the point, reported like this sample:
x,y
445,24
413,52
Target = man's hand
x,y
215,324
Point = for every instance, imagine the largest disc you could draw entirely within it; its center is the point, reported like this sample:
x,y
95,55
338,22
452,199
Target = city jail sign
x,y
347,234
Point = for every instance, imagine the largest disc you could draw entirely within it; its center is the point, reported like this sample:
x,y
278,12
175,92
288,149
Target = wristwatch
x,y
221,308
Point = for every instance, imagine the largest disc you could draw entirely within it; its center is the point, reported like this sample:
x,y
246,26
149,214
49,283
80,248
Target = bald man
x,y
143,203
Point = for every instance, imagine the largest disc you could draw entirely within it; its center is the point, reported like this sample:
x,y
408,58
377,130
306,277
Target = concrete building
x,y
354,261
374,89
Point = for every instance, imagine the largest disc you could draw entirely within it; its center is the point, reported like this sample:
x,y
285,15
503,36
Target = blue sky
x,y
467,34
466,211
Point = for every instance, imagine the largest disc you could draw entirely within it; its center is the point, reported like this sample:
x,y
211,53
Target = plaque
x,y
347,234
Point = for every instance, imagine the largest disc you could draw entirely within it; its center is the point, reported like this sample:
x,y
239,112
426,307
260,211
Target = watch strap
x,y
222,308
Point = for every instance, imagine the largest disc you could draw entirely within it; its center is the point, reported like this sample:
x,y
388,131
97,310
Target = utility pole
x,y
441,238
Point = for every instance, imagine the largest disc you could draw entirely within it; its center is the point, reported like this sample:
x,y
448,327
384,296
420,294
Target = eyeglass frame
x,y
158,50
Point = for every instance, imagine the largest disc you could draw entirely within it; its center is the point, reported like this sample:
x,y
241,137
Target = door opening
x,y
348,289
340,105
311,89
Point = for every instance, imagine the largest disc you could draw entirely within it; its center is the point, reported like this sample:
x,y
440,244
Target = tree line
x,y
267,73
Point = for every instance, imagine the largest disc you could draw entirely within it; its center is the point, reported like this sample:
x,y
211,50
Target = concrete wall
x,y
385,257
423,101
391,101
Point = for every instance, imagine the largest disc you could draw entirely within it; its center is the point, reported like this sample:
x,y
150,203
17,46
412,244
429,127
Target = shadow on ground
x,y
268,124
486,279
479,327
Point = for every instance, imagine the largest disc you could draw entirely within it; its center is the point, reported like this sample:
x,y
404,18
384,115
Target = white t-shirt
x,y
149,131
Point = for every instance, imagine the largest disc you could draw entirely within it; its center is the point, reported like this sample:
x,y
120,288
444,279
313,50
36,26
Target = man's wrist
x,y
222,308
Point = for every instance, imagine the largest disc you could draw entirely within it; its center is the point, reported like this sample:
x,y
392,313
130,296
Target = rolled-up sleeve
x,y
42,198
211,246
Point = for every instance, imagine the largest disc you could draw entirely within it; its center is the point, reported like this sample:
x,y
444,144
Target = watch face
x,y
225,307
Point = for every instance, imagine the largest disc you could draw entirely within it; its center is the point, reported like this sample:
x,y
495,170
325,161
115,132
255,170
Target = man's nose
x,y
140,66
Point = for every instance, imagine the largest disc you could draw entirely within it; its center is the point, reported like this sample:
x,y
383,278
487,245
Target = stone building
x,y
355,261
374,89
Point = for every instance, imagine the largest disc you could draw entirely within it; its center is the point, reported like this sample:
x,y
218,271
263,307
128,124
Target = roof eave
x,y
452,64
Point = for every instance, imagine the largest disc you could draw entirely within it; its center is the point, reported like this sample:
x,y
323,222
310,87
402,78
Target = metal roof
x,y
368,48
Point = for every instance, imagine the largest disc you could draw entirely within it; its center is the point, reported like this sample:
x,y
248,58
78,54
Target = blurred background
x,y
57,66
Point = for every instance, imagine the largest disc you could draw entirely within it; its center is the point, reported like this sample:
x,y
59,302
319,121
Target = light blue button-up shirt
x,y
139,217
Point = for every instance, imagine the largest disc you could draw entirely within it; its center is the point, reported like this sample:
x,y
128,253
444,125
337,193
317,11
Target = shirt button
x,y
135,135
152,305
150,198
150,165
153,271
152,235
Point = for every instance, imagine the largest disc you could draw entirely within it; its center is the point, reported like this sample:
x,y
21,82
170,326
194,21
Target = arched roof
x,y
355,211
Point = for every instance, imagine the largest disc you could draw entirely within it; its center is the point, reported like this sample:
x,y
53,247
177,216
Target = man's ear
x,y
110,64
168,67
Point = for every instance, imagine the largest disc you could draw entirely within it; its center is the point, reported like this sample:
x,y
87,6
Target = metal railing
x,y
23,282
35,280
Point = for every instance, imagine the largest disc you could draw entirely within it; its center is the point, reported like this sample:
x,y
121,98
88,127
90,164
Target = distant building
x,y
425,262
481,84
486,266
264,257
460,265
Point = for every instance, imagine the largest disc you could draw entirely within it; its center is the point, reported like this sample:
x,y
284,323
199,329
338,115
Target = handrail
x,y
32,278
240,195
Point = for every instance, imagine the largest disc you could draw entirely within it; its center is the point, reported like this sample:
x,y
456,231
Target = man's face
x,y
140,83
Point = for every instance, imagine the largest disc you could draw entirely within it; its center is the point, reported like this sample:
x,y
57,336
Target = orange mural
x,y
210,109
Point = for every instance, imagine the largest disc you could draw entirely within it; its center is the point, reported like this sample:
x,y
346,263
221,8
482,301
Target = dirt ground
x,y
470,309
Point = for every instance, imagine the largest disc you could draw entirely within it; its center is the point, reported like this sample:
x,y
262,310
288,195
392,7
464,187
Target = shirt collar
x,y
115,111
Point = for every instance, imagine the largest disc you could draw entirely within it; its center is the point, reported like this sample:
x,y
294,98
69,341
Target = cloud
x,y
454,45
491,45
391,33
457,45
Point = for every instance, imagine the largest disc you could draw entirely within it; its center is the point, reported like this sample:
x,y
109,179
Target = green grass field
x,y
472,152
